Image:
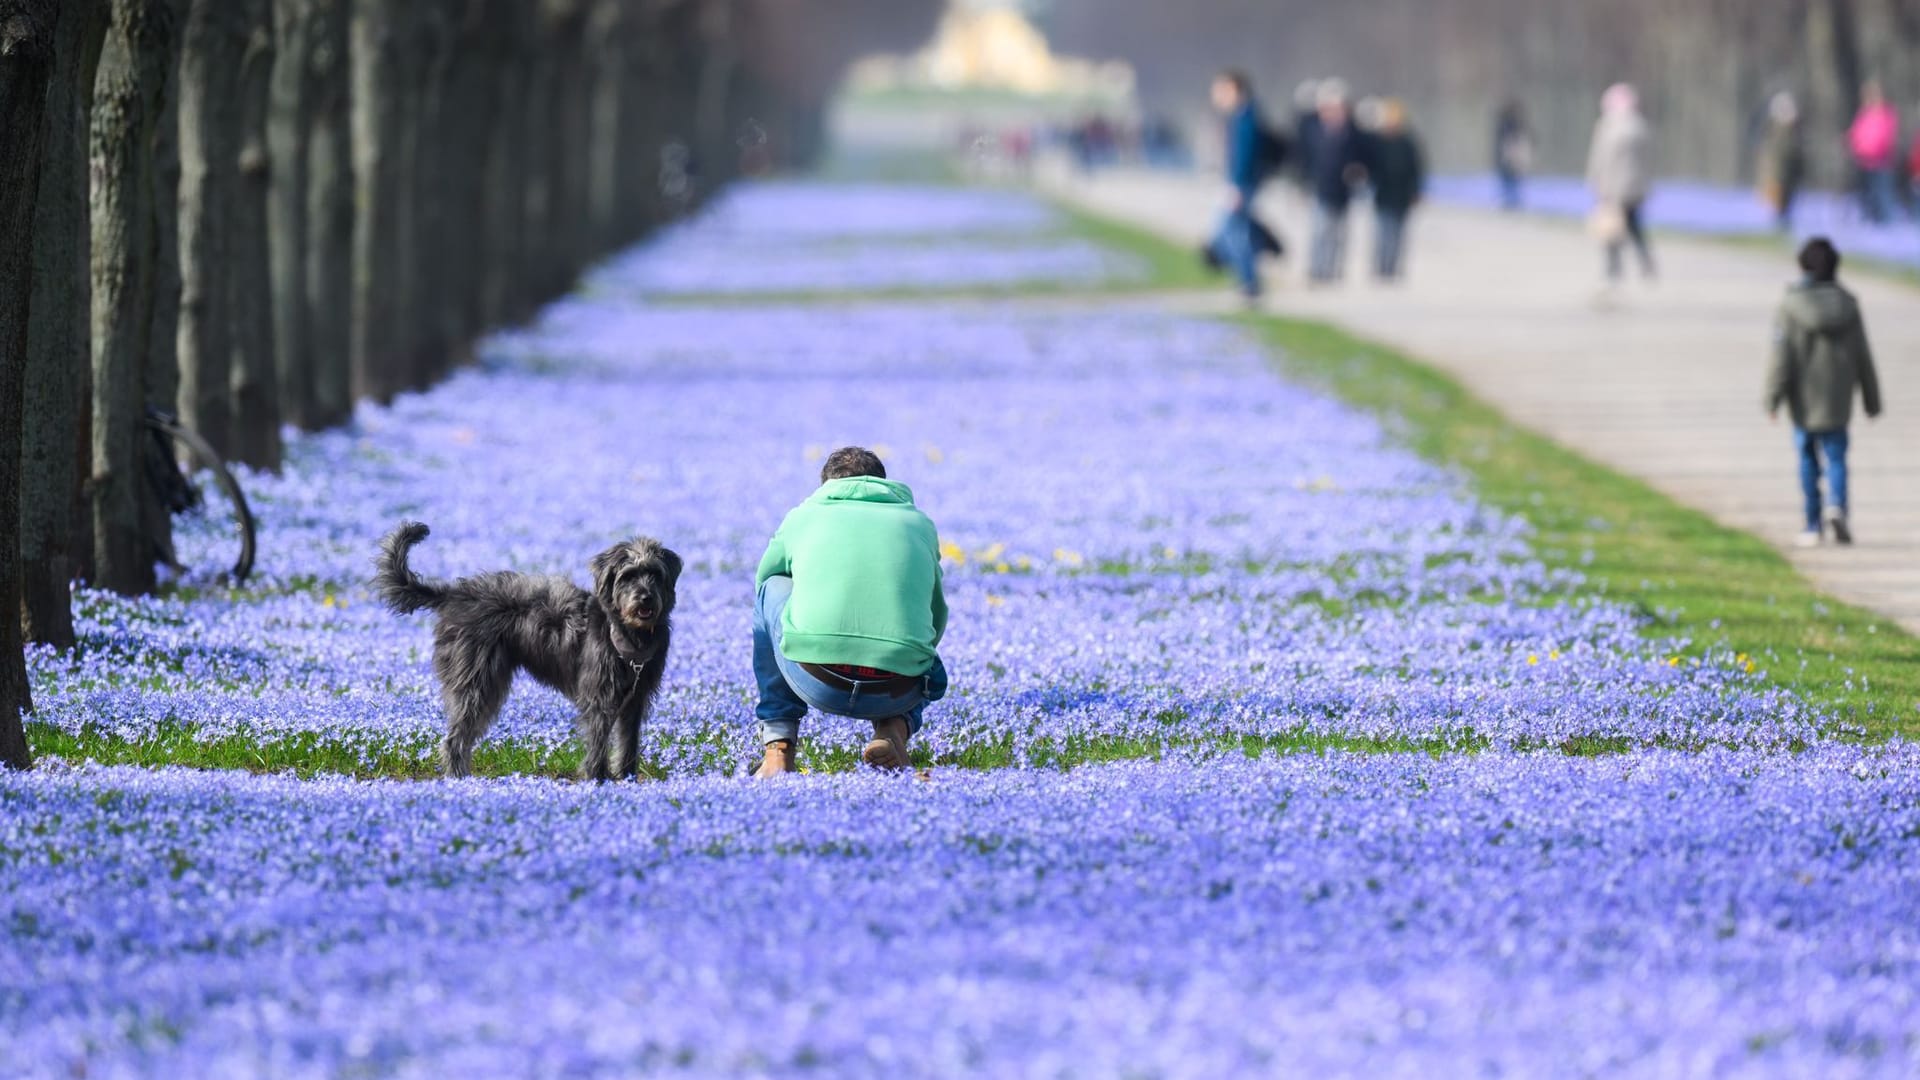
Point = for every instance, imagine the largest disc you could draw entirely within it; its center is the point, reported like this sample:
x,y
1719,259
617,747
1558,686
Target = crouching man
x,y
848,614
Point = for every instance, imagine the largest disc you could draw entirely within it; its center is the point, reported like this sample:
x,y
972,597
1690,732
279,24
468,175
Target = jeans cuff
x,y
774,730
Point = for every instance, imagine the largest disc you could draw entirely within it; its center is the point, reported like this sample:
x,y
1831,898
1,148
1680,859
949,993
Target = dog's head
x,y
634,582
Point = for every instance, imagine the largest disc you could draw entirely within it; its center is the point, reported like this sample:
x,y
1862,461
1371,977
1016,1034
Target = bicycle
x,y
190,481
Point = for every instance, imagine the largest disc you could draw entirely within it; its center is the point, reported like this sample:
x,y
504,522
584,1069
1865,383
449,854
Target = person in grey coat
x,y
1619,171
1820,359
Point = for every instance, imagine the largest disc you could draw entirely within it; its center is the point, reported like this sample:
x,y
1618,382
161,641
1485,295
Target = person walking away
x,y
1820,359
1512,152
1251,154
1619,174
1783,159
1306,131
1338,164
848,614
1398,171
1874,141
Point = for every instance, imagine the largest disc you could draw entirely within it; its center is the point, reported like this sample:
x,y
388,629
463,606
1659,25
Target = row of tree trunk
x,y
256,212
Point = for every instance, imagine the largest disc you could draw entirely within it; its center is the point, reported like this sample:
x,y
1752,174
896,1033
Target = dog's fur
x,y
604,649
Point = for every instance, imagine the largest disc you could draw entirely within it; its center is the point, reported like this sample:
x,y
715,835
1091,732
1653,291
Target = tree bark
x,y
212,45
254,369
134,66
330,216
58,350
163,341
289,139
504,291
379,249
26,69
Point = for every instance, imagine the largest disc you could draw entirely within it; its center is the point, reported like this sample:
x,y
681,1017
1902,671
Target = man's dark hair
x,y
852,461
1242,82
1820,259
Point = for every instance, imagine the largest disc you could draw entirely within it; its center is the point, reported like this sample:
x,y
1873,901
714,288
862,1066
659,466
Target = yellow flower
x,y
1673,661
1169,552
992,552
1002,567
1532,659
1023,563
1553,654
1749,667
996,601
954,552
326,601
934,455
814,453
1068,557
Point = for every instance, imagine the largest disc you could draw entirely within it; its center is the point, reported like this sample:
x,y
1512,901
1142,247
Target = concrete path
x,y
1662,381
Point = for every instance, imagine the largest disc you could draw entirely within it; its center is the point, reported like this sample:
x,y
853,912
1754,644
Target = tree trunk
x,y
59,356
429,338
379,253
289,136
256,395
329,216
212,47
26,69
504,290
163,342
1847,68
134,66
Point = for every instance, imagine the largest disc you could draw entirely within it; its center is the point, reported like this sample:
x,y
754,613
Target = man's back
x,y
1822,357
865,564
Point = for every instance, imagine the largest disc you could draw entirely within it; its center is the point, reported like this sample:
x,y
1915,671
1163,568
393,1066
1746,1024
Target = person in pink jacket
x,y
1874,140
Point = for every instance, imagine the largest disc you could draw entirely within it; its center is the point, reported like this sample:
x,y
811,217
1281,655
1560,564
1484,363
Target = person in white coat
x,y
1619,172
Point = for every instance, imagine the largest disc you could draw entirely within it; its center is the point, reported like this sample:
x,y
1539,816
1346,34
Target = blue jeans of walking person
x,y
1328,260
1389,242
1233,244
1815,446
787,690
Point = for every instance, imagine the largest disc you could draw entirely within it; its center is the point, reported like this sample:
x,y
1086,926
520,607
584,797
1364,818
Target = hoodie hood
x,y
867,489
1823,306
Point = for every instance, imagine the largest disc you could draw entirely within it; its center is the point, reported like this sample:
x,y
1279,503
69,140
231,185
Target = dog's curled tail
x,y
403,590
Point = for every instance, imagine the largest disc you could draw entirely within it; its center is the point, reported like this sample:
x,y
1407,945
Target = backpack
x,y
1271,149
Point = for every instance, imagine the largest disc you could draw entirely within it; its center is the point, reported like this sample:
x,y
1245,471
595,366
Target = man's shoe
x,y
1808,538
1837,521
888,750
779,759
1210,259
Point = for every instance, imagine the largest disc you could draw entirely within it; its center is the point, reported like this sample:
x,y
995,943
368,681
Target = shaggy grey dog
x,y
604,649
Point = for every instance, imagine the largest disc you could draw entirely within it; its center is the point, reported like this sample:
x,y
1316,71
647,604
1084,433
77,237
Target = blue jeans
x,y
1877,194
1389,240
1328,260
1814,445
1233,245
787,689
1509,189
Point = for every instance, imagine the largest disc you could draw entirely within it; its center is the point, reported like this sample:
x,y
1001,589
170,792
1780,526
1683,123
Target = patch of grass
x,y
1690,576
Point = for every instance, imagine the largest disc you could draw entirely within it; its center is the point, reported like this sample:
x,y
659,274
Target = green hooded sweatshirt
x,y
865,564
1820,358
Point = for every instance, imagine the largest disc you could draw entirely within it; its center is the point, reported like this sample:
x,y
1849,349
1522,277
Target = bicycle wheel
x,y
213,527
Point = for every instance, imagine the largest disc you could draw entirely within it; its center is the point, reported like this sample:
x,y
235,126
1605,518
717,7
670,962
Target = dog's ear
x,y
672,561
604,565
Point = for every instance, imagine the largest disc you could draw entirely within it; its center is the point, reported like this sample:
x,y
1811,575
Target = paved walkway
x,y
1664,383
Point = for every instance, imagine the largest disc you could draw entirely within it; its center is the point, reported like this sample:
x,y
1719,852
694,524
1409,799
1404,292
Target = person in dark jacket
x,y
1820,359
1338,164
1397,169
1240,240
1783,159
1512,152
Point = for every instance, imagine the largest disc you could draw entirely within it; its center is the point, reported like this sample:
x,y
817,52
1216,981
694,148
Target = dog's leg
x,y
596,731
474,680
626,744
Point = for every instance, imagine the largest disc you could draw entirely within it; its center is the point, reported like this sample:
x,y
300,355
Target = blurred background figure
x,y
1782,164
1620,174
1235,245
1874,143
1306,130
1337,163
1512,151
1397,169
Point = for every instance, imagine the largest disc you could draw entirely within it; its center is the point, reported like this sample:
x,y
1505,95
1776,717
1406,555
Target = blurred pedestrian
x,y
1252,153
1820,358
1619,173
1338,165
1306,129
1397,169
1783,158
1874,142
1512,152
